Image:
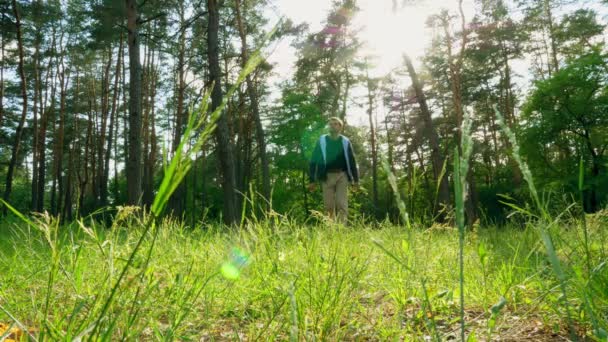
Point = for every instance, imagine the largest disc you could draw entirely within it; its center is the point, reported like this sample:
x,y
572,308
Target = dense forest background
x,y
95,95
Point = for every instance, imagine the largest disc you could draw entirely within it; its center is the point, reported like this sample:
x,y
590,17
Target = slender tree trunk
x,y
37,95
103,164
94,137
19,132
113,115
150,133
88,151
224,146
550,25
47,114
125,120
66,213
73,167
437,158
372,127
134,161
390,157
44,120
177,200
181,84
59,145
255,108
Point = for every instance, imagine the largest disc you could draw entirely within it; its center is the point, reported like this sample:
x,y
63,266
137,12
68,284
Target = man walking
x,y
333,163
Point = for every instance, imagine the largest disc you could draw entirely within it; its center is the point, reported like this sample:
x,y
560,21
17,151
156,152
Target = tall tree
x,y
437,158
222,133
255,107
113,121
134,160
371,95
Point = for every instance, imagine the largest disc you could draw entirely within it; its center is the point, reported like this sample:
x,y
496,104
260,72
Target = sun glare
x,y
388,34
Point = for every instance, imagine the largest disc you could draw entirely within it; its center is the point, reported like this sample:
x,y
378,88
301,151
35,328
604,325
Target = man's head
x,y
335,125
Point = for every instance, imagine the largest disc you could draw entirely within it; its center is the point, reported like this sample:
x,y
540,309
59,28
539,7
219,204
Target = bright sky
x,y
385,33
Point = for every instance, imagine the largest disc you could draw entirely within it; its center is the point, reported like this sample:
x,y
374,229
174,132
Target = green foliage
x,y
566,116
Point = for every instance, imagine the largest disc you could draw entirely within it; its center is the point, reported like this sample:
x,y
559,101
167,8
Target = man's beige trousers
x,y
335,196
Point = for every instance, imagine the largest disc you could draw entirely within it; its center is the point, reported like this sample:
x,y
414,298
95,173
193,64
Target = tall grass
x,y
461,170
545,224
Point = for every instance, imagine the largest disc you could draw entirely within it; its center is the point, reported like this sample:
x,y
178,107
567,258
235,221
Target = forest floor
x,y
280,281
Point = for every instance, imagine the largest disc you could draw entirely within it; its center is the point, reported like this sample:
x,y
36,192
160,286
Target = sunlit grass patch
x,y
300,281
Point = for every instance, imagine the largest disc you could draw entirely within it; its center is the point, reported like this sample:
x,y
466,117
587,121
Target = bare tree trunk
x,y
255,108
134,161
59,144
437,158
37,95
66,213
177,200
550,24
150,134
73,168
83,180
224,146
370,111
113,115
100,175
19,132
95,135
44,120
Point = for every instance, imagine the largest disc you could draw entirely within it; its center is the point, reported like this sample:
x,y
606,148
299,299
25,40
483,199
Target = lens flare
x,y
310,137
232,268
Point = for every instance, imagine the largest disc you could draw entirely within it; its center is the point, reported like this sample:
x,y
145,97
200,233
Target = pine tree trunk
x,y
134,160
370,111
437,158
59,142
19,132
224,145
255,108
44,120
101,183
37,95
113,115
177,200
550,24
150,134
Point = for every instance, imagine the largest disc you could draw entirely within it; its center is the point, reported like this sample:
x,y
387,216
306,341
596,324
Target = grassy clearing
x,y
297,282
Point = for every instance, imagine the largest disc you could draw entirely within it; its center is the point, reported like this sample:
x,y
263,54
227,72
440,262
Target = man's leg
x,y
342,198
329,195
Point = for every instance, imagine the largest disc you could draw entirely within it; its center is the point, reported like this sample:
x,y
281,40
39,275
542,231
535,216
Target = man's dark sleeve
x,y
314,163
353,163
